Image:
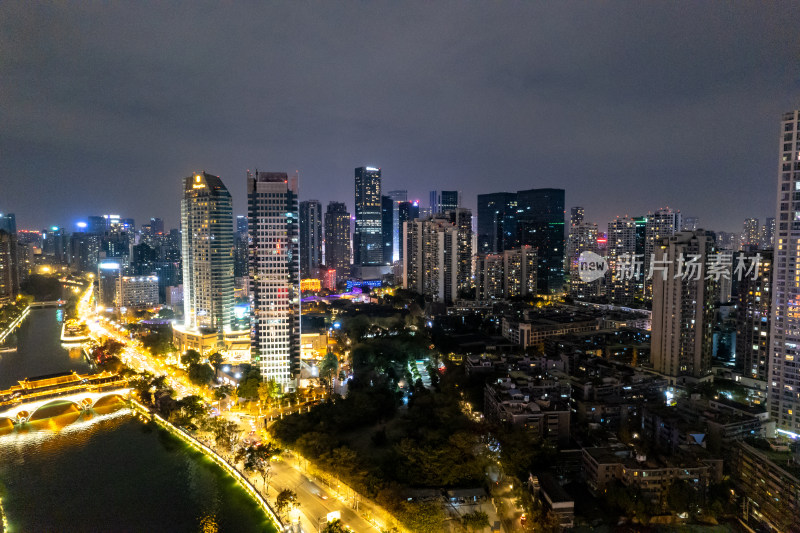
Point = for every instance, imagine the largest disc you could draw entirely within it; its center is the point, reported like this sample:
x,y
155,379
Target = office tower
x,y
397,197
128,225
663,223
690,223
54,244
576,216
207,251
784,374
540,223
310,238
337,238
683,306
431,261
157,226
497,216
241,224
274,275
137,292
143,260
444,201
753,305
519,272
768,234
406,212
368,237
108,272
582,238
751,235
240,252
8,223
96,225
387,237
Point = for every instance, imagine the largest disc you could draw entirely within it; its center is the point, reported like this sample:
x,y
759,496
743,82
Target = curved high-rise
x,y
207,244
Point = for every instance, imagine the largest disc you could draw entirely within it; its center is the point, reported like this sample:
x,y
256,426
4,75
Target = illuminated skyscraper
x,y
274,276
576,216
207,249
368,237
582,238
784,369
397,197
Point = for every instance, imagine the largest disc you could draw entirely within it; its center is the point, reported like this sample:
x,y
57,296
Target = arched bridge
x,y
21,402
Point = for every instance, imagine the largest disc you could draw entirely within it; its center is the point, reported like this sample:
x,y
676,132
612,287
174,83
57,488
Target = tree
x,y
257,459
327,368
268,391
191,357
334,526
200,374
475,521
287,500
216,360
422,517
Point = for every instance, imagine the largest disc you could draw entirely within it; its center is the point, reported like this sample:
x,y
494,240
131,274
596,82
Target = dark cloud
x,y
629,107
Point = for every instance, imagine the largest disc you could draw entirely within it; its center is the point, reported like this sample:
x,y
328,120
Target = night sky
x,y
628,106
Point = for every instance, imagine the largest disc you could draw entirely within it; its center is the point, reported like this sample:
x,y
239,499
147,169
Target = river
x,y
106,471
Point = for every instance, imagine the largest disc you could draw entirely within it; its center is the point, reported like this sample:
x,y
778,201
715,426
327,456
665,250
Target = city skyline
x,y
603,111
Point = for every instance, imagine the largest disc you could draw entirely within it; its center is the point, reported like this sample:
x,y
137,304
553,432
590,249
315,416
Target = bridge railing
x,y
199,446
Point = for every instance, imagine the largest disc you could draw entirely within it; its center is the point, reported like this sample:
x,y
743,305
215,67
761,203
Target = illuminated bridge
x,y
21,402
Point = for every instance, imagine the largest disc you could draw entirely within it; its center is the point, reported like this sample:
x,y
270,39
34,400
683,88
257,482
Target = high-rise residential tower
x,y
274,276
751,235
621,247
368,236
753,307
576,216
582,238
683,306
337,238
783,378
406,212
207,251
310,238
663,223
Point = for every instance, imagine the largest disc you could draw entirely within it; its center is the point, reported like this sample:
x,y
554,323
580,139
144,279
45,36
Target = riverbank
x,y
214,456
15,323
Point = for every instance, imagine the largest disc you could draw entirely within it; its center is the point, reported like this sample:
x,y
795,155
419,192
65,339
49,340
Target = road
x,y
316,501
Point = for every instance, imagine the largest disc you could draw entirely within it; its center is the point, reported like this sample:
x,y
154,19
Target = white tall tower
x,y
274,276
783,377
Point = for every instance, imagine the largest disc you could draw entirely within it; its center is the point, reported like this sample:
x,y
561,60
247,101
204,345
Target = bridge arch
x,y
56,401
108,398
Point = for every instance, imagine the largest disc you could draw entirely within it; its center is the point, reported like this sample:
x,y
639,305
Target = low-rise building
x,y
550,416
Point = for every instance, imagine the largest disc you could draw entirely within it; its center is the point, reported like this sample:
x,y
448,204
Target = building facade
x,y
274,276
207,252
683,307
311,238
784,365
368,235
337,238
